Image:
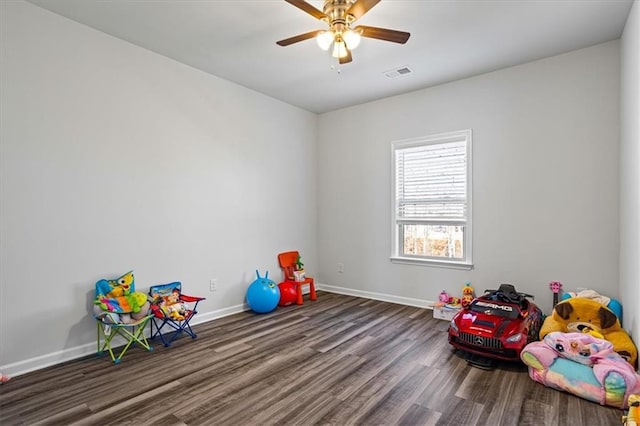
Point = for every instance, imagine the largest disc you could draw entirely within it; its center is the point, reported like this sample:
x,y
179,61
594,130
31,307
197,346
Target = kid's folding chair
x,y
172,312
131,332
119,310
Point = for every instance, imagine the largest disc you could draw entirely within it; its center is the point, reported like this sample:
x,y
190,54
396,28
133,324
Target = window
x,y
431,216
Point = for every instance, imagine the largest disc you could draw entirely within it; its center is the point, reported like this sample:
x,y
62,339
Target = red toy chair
x,y
172,312
288,261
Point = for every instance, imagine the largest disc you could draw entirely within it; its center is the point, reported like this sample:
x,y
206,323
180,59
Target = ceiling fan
x,y
339,16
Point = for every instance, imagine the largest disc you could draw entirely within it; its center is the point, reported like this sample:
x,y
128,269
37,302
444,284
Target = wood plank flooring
x,y
340,360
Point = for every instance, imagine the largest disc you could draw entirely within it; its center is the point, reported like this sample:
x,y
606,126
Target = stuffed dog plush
x,y
584,315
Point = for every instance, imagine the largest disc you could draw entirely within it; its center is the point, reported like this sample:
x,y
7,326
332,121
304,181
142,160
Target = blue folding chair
x,y
172,312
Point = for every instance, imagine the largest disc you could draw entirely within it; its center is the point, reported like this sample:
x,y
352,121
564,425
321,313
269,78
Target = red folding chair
x,y
172,312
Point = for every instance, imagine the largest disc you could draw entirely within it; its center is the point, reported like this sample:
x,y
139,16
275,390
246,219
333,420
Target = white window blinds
x,y
431,181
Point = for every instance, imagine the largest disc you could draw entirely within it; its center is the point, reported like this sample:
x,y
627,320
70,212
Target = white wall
x,y
545,161
115,158
629,171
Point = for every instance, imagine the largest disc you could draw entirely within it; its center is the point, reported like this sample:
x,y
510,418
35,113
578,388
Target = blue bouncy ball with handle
x,y
263,294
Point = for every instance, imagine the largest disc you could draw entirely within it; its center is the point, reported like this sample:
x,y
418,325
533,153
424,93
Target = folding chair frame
x,y
160,320
132,332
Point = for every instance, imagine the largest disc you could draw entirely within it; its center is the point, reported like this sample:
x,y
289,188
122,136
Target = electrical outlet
x,y
340,267
213,284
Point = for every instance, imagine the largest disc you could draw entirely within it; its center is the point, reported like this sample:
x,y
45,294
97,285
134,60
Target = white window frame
x,y
396,221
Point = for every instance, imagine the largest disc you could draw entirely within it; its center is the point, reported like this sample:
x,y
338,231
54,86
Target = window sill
x,y
431,262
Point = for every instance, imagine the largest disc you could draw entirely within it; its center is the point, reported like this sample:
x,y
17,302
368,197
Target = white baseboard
x,y
409,301
203,317
47,360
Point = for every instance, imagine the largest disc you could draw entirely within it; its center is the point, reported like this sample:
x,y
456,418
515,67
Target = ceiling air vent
x,y
398,72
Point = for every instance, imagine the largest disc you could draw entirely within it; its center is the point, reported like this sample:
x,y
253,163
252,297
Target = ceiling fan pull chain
x,y
334,64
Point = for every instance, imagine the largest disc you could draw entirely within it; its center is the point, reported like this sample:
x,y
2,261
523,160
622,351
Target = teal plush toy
x,y
117,301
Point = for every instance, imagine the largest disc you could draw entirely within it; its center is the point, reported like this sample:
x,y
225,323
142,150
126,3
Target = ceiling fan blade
x,y
299,37
360,7
346,59
306,7
383,34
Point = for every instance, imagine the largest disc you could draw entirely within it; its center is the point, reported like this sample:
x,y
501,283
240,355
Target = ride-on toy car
x,y
498,324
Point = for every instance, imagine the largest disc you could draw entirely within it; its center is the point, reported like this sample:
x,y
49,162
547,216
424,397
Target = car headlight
x,y
454,327
515,338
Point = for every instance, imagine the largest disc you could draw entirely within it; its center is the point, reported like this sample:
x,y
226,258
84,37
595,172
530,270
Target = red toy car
x,y
498,324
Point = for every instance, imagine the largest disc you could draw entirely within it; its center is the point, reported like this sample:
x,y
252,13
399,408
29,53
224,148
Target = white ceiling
x,y
450,40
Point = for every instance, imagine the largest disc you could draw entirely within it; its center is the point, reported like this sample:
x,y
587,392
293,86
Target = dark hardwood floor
x,y
339,360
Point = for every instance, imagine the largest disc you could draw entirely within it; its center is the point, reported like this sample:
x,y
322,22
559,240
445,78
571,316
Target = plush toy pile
x,y
585,351
585,315
117,301
171,305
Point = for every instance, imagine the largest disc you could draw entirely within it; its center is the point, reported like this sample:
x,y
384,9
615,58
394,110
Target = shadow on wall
x,y
83,331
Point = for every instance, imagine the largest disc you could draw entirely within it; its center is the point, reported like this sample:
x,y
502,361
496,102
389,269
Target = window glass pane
x,y
431,200
437,241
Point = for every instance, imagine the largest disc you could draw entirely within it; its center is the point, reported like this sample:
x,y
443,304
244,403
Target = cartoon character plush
x,y
171,305
467,295
578,347
633,416
121,286
589,316
175,313
117,301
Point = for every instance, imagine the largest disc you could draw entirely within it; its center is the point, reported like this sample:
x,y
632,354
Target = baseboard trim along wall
x,y
47,360
409,301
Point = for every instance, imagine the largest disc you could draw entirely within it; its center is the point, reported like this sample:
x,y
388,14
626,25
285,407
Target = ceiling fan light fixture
x,y
340,15
324,39
351,38
339,49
